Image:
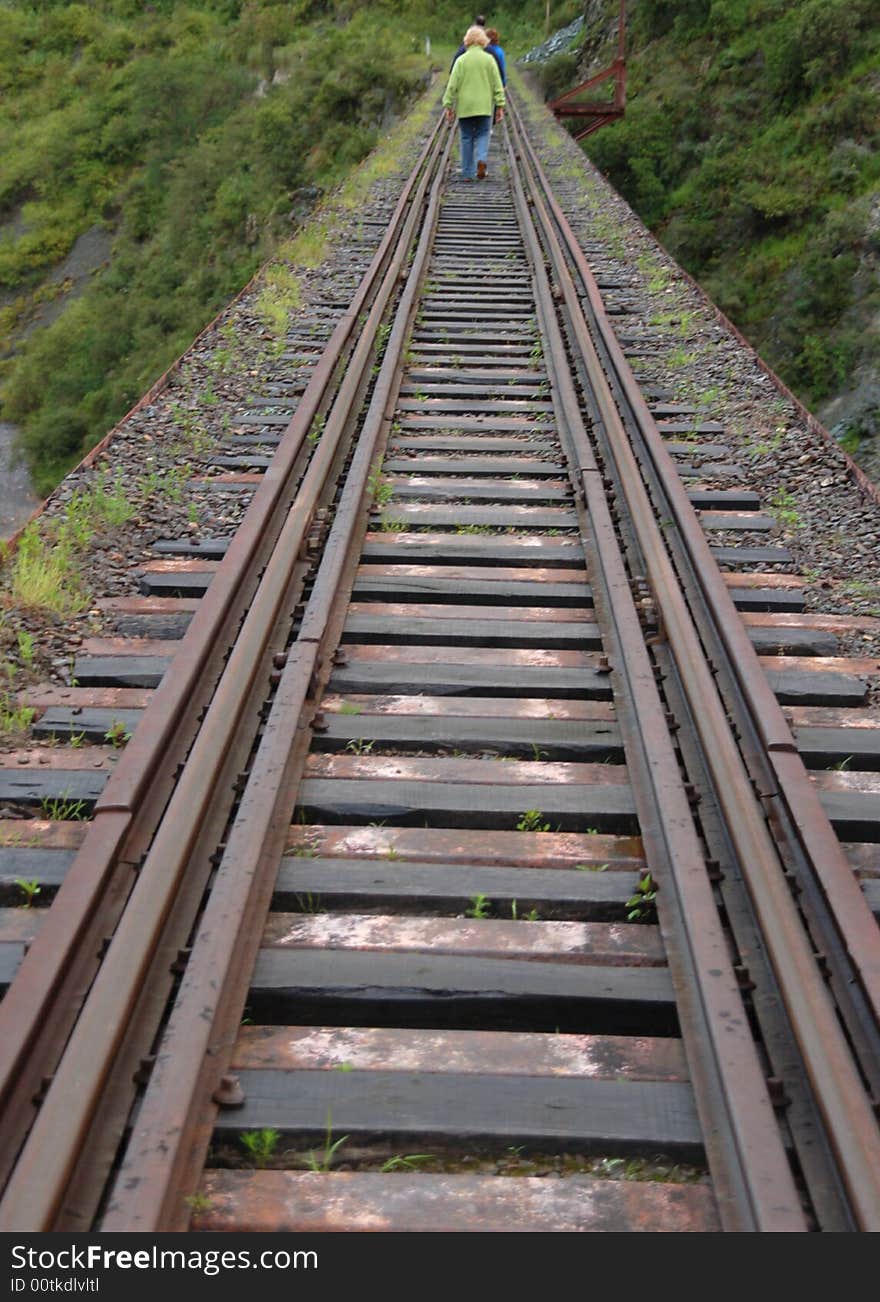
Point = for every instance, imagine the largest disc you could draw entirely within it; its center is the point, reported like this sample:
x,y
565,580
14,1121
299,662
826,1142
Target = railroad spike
x,y
778,1095
42,1090
144,1070
319,722
229,1093
714,870
180,962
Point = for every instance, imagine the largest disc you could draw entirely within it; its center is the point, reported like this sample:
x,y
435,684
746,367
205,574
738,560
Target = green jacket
x,y
474,88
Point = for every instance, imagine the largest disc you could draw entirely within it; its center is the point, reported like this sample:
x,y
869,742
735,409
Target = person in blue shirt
x,y
494,48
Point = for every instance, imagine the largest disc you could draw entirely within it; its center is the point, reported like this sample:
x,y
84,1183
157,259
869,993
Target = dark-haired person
x,y
493,47
474,94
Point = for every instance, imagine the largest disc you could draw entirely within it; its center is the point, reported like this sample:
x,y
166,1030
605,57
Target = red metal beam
x,y
609,111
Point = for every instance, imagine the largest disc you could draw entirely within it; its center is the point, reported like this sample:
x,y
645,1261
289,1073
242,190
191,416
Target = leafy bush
x,y
751,144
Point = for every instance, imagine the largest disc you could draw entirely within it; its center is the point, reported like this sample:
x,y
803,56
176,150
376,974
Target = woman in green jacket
x,y
474,93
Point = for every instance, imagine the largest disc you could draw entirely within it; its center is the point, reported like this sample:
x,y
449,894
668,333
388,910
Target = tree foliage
x,y
750,144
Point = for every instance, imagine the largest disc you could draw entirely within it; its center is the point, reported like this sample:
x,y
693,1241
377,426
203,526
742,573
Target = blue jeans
x,y
474,143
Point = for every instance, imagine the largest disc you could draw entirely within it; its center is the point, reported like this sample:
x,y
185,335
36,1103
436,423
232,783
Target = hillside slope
x,y
751,147
151,158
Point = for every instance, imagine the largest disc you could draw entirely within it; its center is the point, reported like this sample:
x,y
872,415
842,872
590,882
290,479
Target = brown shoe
x,y
481,171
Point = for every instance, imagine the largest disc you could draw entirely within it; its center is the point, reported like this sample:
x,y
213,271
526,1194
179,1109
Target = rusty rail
x,y
751,1174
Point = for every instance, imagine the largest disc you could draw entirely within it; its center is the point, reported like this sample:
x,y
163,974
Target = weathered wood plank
x,y
121,670
610,944
463,680
440,990
327,1048
347,1202
553,738
554,850
449,804
549,1112
376,884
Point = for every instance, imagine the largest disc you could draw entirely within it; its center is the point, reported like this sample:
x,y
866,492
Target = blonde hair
x,y
476,36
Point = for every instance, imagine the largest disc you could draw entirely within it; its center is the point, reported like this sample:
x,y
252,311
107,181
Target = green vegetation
x,y
260,1144
750,145
43,572
480,907
783,508
15,719
30,890
331,1145
117,734
185,131
198,1202
532,820
59,809
405,1162
640,905
530,916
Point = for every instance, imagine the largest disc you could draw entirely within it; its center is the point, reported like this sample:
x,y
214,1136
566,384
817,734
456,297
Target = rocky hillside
x,y
751,147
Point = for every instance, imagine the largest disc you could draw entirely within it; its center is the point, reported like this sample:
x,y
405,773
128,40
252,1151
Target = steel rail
x,y
172,1131
35,1193
751,1174
840,1094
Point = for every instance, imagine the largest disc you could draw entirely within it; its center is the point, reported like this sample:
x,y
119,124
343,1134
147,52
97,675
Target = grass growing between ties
x,y
60,809
479,907
641,905
43,573
15,719
784,510
260,1145
380,488
532,820
45,570
29,889
324,1160
117,734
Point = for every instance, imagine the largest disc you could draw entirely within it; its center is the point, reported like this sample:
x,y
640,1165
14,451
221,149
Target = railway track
x,y
462,871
